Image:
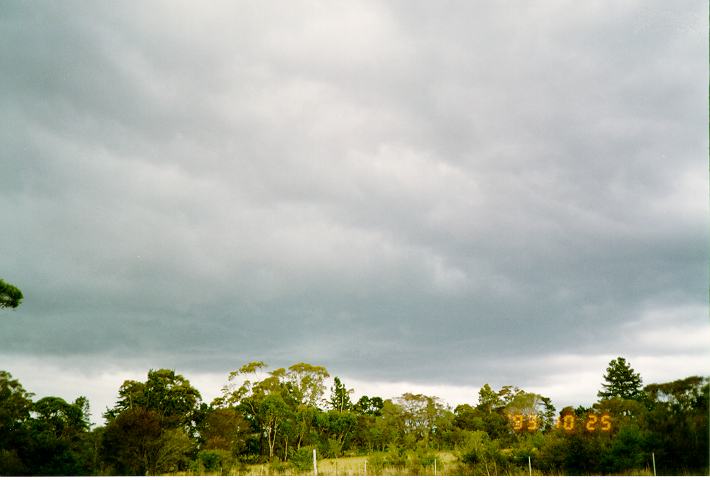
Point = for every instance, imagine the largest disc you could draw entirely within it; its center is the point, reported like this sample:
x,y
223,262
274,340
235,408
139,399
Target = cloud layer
x,y
401,191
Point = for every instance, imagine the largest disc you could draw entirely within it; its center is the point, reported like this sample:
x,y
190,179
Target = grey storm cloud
x,y
392,189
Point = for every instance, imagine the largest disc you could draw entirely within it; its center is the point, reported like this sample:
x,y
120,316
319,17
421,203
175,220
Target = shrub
x,y
214,460
376,463
302,459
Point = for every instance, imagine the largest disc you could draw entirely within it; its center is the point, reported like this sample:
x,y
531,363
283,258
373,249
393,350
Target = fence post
x,y
653,458
315,463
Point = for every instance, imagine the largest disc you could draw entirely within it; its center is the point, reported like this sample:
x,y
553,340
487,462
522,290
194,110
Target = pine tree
x,y
621,381
340,396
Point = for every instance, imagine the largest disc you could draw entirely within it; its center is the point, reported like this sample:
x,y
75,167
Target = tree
x,y
490,407
307,382
340,396
336,429
10,295
421,414
621,381
272,404
681,395
678,418
131,442
15,407
467,418
273,413
232,394
169,395
538,411
60,443
224,429
150,428
369,406
488,399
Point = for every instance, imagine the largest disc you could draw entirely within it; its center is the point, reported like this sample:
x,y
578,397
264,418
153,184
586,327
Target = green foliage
x,y
376,463
59,438
174,449
277,467
302,459
482,455
131,442
11,464
682,395
307,382
49,437
677,424
167,394
551,453
10,295
340,396
488,399
626,452
369,406
281,407
224,429
532,405
160,427
151,428
420,415
396,456
620,380
214,461
336,429
15,407
467,418
273,413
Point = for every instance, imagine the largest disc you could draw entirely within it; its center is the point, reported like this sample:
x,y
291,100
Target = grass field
x,y
447,464
353,466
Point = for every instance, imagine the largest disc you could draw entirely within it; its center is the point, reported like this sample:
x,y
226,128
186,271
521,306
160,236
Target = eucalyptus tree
x,y
281,404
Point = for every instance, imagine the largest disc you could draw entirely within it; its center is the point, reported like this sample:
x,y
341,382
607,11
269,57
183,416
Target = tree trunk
x,y
272,440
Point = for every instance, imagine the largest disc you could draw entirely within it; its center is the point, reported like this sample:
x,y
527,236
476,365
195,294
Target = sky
x,y
420,196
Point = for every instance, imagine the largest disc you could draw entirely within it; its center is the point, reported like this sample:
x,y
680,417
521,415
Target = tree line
x,y
162,425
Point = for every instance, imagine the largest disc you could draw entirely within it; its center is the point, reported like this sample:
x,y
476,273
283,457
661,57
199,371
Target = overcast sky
x,y
418,195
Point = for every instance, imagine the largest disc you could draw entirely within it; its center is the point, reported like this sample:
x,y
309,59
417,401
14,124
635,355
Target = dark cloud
x,y
397,190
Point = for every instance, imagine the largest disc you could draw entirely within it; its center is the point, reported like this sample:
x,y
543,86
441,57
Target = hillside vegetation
x,y
269,423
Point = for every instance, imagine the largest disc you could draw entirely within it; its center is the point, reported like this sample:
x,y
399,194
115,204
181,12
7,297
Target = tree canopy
x,y
10,295
620,380
270,423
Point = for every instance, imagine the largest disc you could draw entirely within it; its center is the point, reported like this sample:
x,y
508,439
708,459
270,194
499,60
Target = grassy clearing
x,y
447,464
352,466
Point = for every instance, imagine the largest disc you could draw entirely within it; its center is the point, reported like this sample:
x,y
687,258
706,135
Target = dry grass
x,y
351,466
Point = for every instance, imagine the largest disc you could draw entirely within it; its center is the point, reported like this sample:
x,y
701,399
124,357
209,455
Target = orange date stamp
x,y
569,422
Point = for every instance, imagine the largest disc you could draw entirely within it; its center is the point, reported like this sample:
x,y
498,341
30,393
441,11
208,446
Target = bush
x,y
214,460
277,467
395,457
376,463
302,459
428,459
